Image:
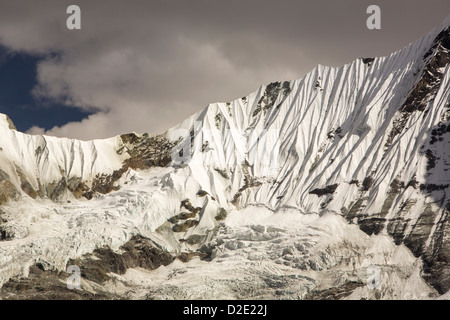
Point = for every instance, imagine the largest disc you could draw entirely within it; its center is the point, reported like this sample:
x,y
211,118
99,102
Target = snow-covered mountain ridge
x,y
366,143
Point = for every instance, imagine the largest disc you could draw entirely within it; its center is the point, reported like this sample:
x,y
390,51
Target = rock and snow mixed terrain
x,y
333,186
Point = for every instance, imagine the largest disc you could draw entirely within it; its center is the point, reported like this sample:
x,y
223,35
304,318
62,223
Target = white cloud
x,y
36,130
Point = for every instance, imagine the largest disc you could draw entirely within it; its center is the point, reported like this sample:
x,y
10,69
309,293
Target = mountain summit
x,y
336,185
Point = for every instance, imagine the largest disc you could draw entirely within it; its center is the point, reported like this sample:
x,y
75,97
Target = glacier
x,y
332,186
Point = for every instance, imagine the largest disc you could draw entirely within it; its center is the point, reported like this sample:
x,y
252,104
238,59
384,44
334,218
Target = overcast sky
x,y
146,65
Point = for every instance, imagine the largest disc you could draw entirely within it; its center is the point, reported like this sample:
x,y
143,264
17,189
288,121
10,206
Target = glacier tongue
x,y
302,189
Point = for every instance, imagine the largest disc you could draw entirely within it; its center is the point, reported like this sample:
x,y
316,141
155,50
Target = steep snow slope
x,y
368,141
348,164
333,126
35,165
64,169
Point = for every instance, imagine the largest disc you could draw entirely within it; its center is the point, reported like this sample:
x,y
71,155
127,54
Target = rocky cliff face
x,y
366,143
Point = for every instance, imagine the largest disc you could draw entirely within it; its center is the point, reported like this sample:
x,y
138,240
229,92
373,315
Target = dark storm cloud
x,y
146,65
